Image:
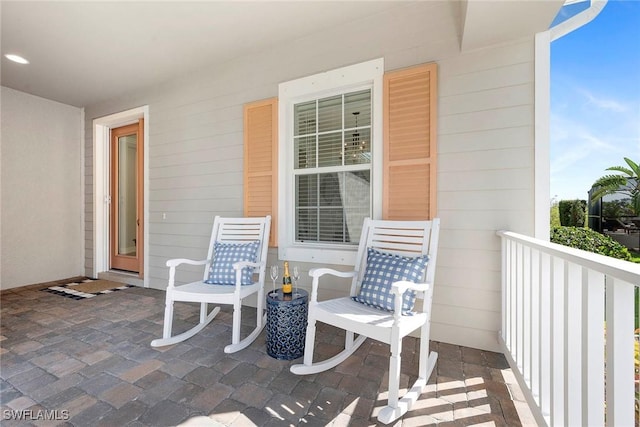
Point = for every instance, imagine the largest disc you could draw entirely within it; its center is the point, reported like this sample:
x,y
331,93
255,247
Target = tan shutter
x,y
261,162
409,161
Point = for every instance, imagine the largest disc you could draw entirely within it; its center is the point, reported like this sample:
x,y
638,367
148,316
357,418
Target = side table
x,y
286,324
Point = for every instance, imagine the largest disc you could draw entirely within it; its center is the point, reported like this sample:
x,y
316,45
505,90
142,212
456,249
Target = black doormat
x,y
87,288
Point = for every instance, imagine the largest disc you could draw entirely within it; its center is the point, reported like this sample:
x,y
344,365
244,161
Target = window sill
x,y
320,254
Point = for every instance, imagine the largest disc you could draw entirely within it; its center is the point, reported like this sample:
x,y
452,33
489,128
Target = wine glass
x,y
274,277
296,276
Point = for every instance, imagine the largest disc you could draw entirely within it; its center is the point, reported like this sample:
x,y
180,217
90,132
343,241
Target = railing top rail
x,y
620,269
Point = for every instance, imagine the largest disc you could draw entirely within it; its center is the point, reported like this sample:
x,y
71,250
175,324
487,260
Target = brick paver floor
x,y
89,363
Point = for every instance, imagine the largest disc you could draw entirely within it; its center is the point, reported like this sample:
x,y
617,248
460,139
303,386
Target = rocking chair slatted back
x,y
238,230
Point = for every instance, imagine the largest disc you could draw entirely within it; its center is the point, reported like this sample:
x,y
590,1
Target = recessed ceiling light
x,y
16,58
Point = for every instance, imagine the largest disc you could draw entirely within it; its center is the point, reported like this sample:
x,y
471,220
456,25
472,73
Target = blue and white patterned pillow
x,y
383,269
225,255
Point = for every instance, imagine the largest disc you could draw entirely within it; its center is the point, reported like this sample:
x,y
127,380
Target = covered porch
x,y
88,362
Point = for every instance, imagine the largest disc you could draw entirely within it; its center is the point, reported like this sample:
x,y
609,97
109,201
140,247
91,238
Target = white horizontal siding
x,y
229,153
221,206
466,239
506,54
207,130
493,179
481,260
488,159
203,167
485,183
506,76
496,98
180,241
485,146
487,220
194,115
467,278
195,145
468,296
485,200
189,217
500,118
224,191
488,139
196,181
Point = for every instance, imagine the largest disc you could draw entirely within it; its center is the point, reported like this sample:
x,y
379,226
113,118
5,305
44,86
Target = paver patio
x,y
89,363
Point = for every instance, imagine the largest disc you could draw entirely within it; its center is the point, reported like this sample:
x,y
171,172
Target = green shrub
x,y
572,212
554,215
590,241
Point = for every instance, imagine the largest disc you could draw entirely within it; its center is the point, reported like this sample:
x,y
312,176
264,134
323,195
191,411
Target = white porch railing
x,y
556,302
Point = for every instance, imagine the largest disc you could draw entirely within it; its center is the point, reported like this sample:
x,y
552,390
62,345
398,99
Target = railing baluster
x,y
512,303
593,348
508,289
506,267
534,370
619,345
545,336
519,307
573,345
558,334
526,312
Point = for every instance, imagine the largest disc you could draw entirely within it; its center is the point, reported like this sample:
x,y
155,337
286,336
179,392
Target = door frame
x,y
101,146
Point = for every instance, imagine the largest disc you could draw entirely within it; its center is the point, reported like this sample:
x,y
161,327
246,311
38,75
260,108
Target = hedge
x,y
572,212
590,241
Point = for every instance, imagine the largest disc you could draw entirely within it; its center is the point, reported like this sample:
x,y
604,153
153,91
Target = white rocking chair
x,y
405,238
232,233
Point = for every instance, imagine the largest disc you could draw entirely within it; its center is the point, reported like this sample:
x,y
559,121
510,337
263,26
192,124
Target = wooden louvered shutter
x,y
409,163
261,162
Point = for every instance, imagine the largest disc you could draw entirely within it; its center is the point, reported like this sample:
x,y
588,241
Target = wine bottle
x,y
286,280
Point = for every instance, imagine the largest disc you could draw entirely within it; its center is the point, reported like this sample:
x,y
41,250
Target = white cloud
x,y
572,142
603,103
580,155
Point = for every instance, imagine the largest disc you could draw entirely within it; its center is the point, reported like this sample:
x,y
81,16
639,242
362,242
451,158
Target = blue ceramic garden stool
x,y
286,324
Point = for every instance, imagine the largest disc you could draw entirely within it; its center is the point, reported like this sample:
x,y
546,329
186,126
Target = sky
x,y
595,98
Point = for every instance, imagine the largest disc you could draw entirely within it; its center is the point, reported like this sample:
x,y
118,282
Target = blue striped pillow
x,y
383,269
221,271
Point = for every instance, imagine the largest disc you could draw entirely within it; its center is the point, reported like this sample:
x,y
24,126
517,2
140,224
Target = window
x,y
332,167
330,161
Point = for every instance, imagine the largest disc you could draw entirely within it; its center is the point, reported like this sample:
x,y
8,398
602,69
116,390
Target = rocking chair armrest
x,y
316,273
242,264
172,263
238,266
400,287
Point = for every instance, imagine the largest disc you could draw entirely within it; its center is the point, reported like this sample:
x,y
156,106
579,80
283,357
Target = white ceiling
x,y
84,52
